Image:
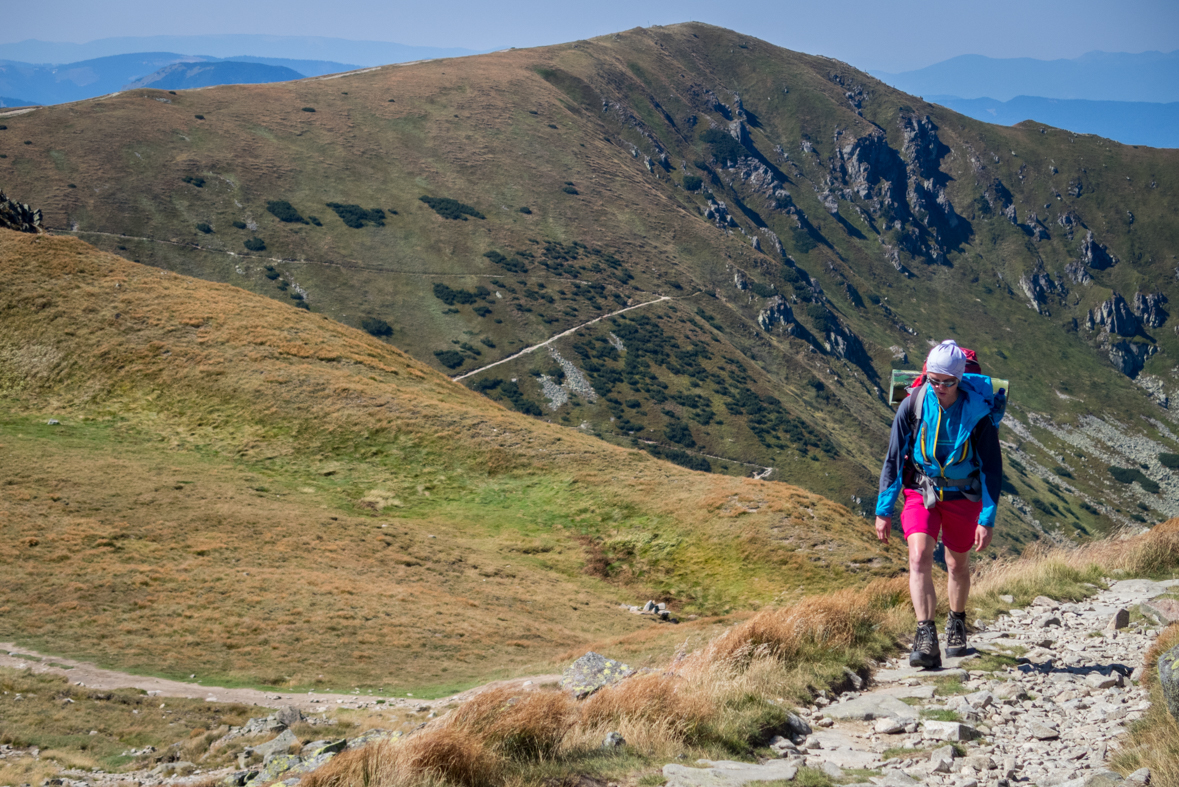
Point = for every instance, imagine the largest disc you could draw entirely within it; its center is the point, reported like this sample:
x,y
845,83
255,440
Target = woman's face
x,y
946,388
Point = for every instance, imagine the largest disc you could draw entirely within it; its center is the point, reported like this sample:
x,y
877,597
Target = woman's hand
x,y
982,537
884,527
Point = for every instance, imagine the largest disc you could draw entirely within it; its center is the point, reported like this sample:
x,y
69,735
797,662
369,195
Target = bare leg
x,y
958,564
921,576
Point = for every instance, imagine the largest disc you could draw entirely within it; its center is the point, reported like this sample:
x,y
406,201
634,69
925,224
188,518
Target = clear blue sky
x,y
871,34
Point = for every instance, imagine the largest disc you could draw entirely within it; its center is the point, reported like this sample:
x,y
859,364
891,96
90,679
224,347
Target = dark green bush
x,y
449,208
487,342
570,190
356,217
271,273
302,305
376,326
315,220
1126,475
513,394
526,209
284,211
255,244
450,296
241,225
203,227
1169,460
763,290
693,182
486,384
678,432
451,359
803,242
308,109
195,181
823,319
723,146
296,296
681,458
71,185
1062,472
199,117
3,128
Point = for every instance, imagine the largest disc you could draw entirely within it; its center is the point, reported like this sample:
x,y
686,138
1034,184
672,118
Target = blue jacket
x,y
971,430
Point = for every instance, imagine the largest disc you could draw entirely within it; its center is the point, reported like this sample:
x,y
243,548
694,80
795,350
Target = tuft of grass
x,y
940,714
1154,739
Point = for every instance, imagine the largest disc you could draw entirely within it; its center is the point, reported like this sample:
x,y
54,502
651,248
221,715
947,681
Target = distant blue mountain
x,y
1128,122
181,76
14,102
231,47
43,84
1097,76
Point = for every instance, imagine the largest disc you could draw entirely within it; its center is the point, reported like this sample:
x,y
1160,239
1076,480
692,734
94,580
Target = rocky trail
x,y
1052,720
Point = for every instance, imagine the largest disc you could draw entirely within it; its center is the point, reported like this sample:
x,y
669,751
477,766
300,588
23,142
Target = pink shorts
x,y
955,519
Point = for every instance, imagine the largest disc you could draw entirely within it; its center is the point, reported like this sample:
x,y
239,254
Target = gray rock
x,y
279,745
888,726
613,740
856,681
1120,620
370,736
893,779
316,748
1044,601
1098,681
725,773
1042,732
980,699
1045,621
288,716
796,725
591,672
1007,599
275,766
1169,680
980,762
832,770
871,706
1140,776
1164,610
949,731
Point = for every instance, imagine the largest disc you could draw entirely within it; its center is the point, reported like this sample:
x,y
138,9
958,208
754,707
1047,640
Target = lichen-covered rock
x,y
1169,679
591,672
373,736
275,767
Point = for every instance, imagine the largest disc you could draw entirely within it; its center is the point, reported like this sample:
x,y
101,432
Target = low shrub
x,y
255,244
376,326
449,208
451,359
203,227
1169,460
308,109
241,225
194,180
199,117
525,209
356,217
693,182
451,296
570,190
315,220
285,212
1125,475
723,146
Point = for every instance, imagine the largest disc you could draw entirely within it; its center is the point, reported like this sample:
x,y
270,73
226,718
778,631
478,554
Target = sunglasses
x,y
943,383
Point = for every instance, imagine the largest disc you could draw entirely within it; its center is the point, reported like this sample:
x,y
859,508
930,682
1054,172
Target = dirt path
x,y
574,329
85,674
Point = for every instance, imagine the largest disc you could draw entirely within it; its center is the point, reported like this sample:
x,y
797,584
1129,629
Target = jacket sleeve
x,y
991,458
892,474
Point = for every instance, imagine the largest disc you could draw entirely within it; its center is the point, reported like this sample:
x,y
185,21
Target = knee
x,y
921,561
958,567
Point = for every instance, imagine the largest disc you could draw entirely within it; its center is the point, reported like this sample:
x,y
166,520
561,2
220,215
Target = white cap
x,y
946,358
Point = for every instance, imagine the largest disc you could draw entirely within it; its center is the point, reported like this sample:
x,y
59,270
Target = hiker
x,y
950,476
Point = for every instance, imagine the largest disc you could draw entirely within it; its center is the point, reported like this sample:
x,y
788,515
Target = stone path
x,y
1051,721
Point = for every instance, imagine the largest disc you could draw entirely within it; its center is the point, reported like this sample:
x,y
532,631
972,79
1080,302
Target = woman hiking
x,y
943,455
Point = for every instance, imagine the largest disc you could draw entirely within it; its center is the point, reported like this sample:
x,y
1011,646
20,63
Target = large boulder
x,y
591,672
1165,610
1169,679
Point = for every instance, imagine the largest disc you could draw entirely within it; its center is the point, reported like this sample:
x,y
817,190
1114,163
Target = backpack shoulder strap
x,y
917,408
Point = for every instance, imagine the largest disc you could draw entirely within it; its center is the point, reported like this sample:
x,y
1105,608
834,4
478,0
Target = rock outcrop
x,y
1169,679
19,217
1095,255
1116,316
591,672
1149,309
778,312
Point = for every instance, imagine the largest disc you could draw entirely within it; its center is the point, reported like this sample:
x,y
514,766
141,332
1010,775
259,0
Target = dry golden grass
x,y
259,450
1154,739
722,698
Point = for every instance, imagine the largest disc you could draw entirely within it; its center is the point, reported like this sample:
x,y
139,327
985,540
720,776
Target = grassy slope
x,y
256,494
482,130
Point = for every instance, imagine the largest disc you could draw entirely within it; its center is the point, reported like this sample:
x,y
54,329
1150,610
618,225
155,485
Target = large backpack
x,y
972,489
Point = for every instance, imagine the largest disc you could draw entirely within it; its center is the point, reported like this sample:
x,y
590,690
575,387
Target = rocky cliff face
x,y
15,216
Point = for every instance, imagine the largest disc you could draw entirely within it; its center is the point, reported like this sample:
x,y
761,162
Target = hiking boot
x,y
956,635
926,652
